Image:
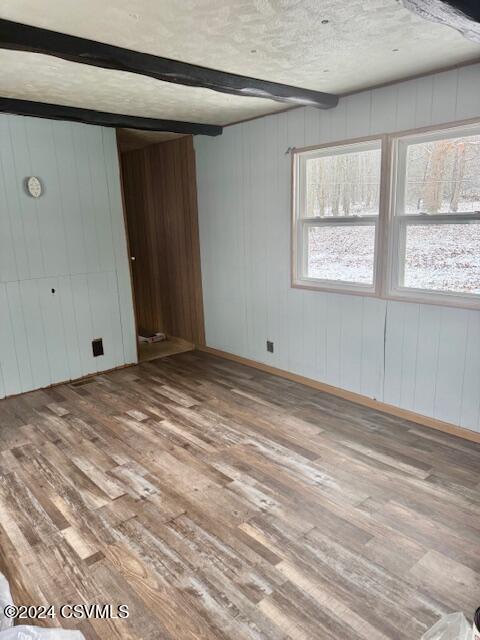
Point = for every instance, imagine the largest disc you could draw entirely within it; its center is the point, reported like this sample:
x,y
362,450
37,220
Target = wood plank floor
x,y
220,502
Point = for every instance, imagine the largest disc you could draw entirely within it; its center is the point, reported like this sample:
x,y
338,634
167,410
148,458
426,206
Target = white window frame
x,y
398,220
301,224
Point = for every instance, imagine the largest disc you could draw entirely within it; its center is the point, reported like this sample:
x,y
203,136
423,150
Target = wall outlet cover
x,y
97,347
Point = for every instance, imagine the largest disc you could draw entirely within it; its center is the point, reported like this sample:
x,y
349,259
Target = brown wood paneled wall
x,y
159,183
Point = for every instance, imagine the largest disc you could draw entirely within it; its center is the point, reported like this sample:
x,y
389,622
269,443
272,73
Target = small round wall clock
x,y
34,187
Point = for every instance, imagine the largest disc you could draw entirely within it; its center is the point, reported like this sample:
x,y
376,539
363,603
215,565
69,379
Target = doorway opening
x,y
160,198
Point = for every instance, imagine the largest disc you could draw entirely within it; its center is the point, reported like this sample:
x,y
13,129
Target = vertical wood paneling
x,y
309,352
372,358
36,336
320,320
64,265
452,351
120,248
428,358
424,101
384,109
280,242
161,209
257,232
18,336
69,197
409,355
334,339
295,123
351,323
406,105
394,339
444,97
276,221
23,211
2,383
106,319
55,338
467,93
51,228
101,209
359,114
470,403
70,327
206,198
11,380
8,258
82,309
85,191
230,227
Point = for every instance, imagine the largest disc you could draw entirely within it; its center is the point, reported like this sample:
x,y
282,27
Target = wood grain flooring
x,y
154,350
220,502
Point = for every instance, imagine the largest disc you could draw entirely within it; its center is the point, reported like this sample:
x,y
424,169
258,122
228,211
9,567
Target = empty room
x,y
240,320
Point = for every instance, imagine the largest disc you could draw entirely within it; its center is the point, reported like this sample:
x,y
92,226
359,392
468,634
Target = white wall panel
x,y
20,221
49,210
122,265
420,357
444,98
70,323
70,197
8,258
452,350
467,92
11,380
427,359
18,336
30,293
372,358
64,268
82,310
470,403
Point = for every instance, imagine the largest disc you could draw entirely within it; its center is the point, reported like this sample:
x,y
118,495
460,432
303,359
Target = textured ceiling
x,y
131,139
364,43
31,76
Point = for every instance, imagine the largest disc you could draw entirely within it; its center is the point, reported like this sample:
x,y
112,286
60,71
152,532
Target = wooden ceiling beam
x,y
21,37
103,119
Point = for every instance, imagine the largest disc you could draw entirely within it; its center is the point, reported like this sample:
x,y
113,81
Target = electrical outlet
x,y
97,347
270,346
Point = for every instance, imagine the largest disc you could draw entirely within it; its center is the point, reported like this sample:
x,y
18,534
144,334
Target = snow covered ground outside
x,y
437,257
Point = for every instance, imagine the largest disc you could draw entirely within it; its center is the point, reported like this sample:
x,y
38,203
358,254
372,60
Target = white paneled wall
x,y
64,273
419,357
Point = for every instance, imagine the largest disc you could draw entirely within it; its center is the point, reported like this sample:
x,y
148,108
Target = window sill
x,y
355,290
437,300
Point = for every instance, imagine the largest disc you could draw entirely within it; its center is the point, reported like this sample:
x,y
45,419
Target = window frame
x,y
386,258
300,225
397,223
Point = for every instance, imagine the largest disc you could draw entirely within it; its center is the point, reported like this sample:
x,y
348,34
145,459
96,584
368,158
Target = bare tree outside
x,y
344,184
443,177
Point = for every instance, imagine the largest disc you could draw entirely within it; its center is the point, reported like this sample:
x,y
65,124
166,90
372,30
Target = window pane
x,y
443,176
443,257
345,184
343,253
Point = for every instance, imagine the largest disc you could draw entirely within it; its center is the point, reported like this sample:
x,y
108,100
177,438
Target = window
x,y
336,213
407,229
435,222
